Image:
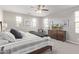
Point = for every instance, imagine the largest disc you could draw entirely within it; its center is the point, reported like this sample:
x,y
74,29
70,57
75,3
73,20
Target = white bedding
x,y
31,48
29,43
3,42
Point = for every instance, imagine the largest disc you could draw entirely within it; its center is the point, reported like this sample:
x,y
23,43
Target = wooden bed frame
x,y
38,51
41,50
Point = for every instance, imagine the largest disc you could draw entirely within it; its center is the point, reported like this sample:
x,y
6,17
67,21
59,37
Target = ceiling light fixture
x,y
39,11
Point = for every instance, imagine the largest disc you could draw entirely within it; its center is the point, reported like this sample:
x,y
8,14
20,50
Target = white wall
x,y
1,15
10,19
68,16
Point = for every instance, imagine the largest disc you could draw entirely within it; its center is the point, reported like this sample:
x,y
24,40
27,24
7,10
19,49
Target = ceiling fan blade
x,y
43,6
45,9
38,7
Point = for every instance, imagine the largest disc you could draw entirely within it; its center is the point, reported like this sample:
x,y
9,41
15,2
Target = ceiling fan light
x,y
39,11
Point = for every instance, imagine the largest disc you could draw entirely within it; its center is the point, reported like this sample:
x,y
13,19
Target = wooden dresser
x,y
57,34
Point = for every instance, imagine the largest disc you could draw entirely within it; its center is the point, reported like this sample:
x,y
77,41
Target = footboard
x,y
41,50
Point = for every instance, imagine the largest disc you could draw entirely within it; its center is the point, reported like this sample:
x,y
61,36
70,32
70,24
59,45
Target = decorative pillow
x,y
7,36
16,33
11,36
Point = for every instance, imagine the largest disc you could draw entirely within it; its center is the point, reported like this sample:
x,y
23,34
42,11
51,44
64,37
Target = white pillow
x,y
7,36
23,33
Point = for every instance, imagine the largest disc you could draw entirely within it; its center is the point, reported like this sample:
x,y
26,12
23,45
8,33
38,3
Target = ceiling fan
x,y
40,8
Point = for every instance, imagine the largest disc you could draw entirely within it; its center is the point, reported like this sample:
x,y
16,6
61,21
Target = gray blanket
x,y
40,34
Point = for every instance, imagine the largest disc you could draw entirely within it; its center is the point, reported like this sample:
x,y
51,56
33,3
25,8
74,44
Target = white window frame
x,y
77,21
46,23
34,22
18,20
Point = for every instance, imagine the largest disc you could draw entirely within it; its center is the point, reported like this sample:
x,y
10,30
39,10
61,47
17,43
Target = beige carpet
x,y
63,48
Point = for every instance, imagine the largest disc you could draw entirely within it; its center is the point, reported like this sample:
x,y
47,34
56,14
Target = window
x,y
34,22
77,21
46,22
18,20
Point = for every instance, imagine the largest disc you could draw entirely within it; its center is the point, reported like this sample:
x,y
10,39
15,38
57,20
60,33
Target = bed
x,y
29,44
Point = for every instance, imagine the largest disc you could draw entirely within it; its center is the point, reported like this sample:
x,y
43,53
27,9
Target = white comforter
x,y
3,42
28,44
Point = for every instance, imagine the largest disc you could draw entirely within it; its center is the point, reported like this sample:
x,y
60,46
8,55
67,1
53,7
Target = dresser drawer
x,y
57,34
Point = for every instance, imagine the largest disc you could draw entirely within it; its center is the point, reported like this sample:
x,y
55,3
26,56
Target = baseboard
x,y
72,42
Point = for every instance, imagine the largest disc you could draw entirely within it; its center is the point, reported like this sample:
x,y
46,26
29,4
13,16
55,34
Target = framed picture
x,y
66,23
27,22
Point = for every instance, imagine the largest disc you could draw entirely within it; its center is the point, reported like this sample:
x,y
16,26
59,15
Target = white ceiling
x,y
27,9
